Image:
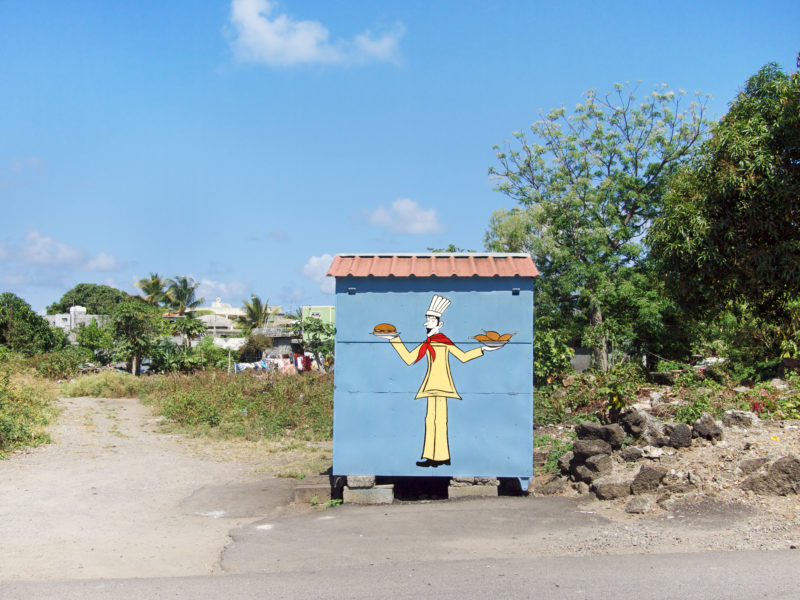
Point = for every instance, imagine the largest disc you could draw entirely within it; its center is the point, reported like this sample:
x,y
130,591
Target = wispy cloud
x,y
43,250
316,268
406,216
14,173
262,35
230,291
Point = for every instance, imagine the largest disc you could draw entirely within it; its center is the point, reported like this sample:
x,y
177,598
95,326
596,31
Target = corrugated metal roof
x,y
433,265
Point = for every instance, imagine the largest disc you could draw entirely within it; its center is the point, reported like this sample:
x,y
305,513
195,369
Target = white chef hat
x,y
438,305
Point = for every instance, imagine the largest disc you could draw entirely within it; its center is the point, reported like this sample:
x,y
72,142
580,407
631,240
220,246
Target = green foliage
x,y
693,410
181,295
108,384
246,405
730,230
257,313
589,396
210,356
551,356
98,340
255,344
555,449
318,337
96,299
187,328
23,331
61,364
153,288
24,412
589,185
136,327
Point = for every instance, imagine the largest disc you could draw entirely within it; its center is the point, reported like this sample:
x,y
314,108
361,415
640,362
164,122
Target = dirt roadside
x,y
114,497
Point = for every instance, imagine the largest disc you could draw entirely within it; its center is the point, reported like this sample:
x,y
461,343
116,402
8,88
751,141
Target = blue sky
x,y
244,142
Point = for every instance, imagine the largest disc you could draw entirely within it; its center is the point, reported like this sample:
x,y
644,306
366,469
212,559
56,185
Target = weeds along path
x,y
111,496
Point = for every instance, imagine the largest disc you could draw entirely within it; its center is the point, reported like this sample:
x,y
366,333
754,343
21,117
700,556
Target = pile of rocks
x,y
624,459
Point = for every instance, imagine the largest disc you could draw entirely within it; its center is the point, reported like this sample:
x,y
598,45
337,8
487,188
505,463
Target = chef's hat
x,y
438,305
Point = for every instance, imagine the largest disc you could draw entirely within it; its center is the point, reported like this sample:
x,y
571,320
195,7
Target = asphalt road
x,y
688,576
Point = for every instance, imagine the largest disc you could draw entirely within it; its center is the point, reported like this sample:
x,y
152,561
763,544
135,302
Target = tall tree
x,y
153,288
257,313
181,295
22,330
96,299
731,227
188,328
588,185
136,326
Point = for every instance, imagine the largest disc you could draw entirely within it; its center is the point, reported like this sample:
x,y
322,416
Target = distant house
x,y
75,318
220,326
326,314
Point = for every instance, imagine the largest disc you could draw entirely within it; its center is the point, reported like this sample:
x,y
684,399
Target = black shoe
x,y
427,463
442,462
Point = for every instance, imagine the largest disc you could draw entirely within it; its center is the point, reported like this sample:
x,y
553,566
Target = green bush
x,y
694,409
247,405
61,364
108,384
24,412
551,356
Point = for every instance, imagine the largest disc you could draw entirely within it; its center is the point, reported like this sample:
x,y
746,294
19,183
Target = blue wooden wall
x,y
379,425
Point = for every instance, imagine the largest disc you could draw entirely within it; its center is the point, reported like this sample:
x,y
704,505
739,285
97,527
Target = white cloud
x,y
228,292
406,216
102,262
280,41
316,268
44,250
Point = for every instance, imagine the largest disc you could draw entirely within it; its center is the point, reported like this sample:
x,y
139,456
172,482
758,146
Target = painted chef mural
x,y
438,385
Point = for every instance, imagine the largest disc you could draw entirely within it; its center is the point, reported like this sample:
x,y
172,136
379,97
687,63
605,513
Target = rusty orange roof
x,y
433,265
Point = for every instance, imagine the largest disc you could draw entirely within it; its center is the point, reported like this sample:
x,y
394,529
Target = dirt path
x,y
113,497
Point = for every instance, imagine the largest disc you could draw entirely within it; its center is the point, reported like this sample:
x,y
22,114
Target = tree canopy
x,y
731,225
95,298
22,330
136,327
153,288
181,295
588,185
257,313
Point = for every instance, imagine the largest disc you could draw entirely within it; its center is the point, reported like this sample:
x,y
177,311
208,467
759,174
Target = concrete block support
x,y
454,492
360,481
380,494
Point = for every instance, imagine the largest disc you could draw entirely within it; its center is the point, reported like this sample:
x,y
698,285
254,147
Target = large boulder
x,y
681,436
706,427
647,479
642,425
609,489
740,418
583,449
564,461
781,479
631,454
612,434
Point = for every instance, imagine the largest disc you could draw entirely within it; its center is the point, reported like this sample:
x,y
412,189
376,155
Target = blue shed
x,y
434,365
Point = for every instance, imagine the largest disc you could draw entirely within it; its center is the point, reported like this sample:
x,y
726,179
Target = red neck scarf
x,y
426,345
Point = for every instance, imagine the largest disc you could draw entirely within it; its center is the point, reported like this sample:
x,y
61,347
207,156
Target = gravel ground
x,y
715,514
115,496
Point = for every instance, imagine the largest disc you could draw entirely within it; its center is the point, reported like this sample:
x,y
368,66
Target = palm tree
x,y
180,296
257,313
188,328
153,288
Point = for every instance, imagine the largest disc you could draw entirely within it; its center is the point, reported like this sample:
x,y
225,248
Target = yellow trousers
x,y
436,445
